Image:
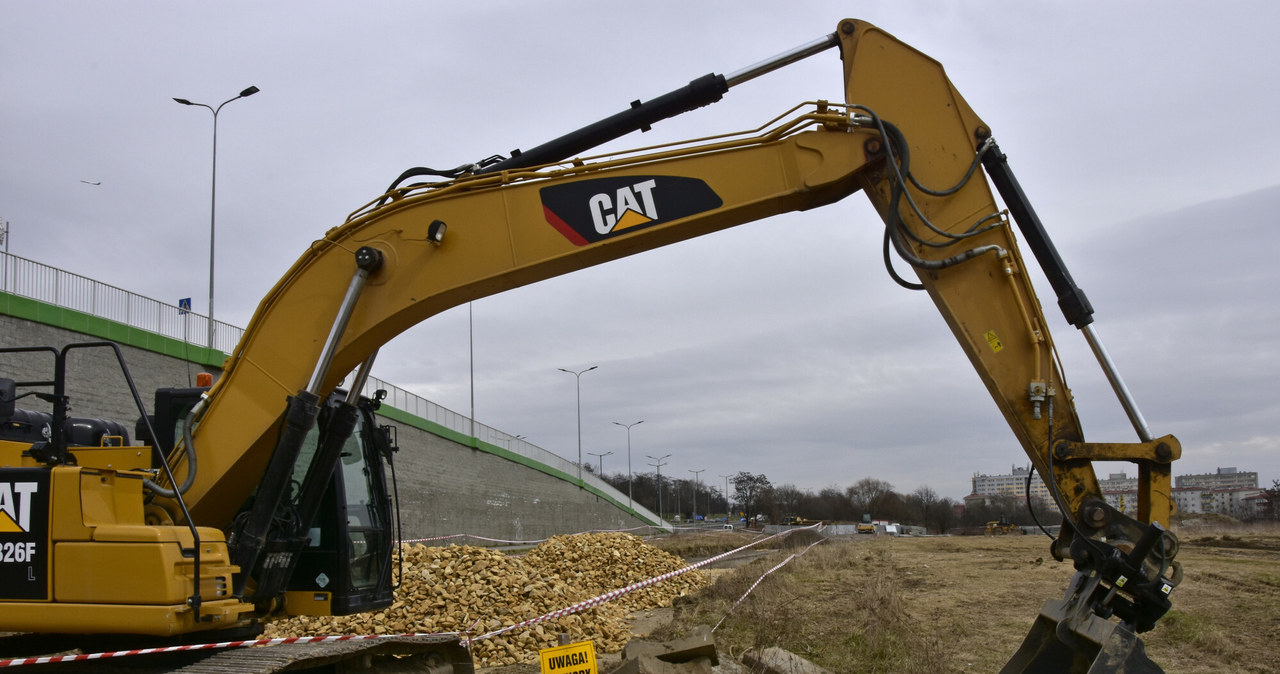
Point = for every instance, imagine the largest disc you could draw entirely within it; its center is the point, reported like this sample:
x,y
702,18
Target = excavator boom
x,y
905,137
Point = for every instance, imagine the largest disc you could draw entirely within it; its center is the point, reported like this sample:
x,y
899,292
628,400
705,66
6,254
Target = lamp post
x,y
601,457
213,188
727,510
659,463
577,376
695,491
628,427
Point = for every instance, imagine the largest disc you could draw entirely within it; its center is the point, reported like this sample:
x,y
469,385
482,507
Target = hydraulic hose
x,y
189,450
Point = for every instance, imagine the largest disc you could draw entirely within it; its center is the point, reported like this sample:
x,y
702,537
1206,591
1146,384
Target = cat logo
x,y
15,506
589,211
631,206
24,534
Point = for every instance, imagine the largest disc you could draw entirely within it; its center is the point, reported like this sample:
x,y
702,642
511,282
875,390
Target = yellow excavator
x,y
263,495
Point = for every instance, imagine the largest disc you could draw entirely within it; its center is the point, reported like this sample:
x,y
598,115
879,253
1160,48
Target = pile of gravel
x,y
462,588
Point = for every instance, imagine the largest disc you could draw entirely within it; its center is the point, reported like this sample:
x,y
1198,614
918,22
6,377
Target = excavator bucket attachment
x,y
1068,638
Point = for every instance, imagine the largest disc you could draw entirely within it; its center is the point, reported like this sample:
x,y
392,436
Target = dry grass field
x,y
963,604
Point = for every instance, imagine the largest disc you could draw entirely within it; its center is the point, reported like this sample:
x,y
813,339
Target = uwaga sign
x,y
592,210
579,658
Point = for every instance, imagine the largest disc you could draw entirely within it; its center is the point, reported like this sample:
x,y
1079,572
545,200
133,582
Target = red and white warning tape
x,y
761,578
50,659
465,639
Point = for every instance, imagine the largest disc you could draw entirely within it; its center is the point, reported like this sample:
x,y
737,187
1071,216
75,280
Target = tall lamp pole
x,y
601,456
659,463
577,376
696,473
213,189
628,427
727,510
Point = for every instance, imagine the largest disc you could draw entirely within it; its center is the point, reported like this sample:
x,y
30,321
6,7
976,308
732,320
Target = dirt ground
x,y
964,604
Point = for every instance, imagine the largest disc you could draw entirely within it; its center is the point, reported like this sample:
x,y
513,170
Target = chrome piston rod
x,y
786,58
1117,383
368,260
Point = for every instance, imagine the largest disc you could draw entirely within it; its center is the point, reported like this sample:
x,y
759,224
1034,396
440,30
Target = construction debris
x,y
774,660
476,590
695,654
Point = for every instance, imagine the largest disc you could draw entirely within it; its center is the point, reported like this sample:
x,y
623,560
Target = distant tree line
x,y
754,495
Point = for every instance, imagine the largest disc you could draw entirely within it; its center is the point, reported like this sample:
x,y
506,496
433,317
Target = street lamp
x,y
695,491
628,427
727,510
577,376
601,456
659,463
213,189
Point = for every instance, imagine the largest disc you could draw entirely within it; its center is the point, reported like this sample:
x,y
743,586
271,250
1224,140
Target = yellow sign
x,y
993,341
579,658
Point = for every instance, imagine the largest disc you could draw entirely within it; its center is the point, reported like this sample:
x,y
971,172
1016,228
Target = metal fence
x,y
422,408
50,285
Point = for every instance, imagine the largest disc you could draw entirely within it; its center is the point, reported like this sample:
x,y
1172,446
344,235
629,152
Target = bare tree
x,y
788,501
868,495
750,490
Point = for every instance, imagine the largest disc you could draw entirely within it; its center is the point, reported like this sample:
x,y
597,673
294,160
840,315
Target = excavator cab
x,y
345,564
339,563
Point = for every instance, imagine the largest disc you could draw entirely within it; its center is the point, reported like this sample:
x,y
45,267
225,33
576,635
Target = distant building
x,y
1121,493
1013,484
1260,505
1118,482
1229,491
1225,478
1240,503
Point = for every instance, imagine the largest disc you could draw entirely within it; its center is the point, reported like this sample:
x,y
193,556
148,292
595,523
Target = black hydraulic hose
x,y
1031,473
189,449
895,227
893,273
973,166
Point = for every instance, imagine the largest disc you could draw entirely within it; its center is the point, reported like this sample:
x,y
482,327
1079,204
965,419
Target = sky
x,y
1144,134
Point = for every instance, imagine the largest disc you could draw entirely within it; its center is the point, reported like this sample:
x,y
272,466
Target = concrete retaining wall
x,y
448,483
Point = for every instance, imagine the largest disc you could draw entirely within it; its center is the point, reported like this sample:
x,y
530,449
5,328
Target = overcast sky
x,y
1144,133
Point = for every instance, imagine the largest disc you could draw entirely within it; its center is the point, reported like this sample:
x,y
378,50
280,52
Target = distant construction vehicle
x,y
1003,526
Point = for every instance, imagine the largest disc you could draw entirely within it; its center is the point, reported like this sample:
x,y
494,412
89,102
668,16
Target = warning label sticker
x,y
993,340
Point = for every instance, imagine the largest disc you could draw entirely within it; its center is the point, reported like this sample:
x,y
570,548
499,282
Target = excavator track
x,y
433,653
425,654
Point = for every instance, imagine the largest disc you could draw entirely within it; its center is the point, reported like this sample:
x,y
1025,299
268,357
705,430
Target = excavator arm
x,y
905,138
